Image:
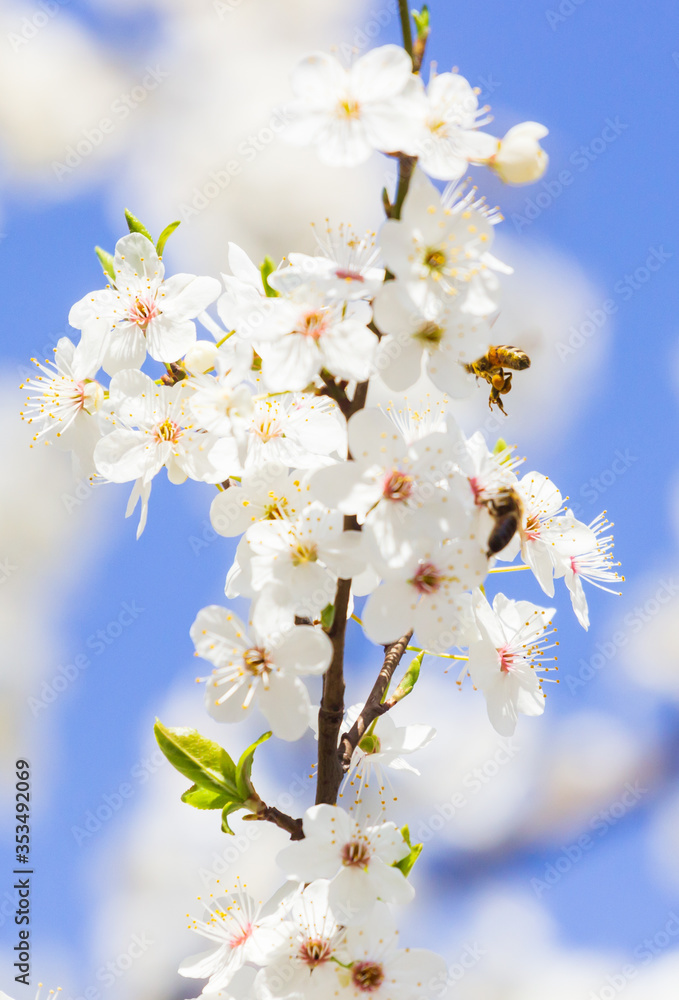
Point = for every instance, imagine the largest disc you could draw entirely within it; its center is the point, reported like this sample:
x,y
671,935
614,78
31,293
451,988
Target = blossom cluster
x,y
277,405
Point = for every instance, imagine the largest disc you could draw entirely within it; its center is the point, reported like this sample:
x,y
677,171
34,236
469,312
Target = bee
x,y
491,367
507,510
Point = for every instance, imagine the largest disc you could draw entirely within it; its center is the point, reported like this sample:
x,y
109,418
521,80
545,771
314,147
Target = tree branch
x,y
292,826
374,706
331,712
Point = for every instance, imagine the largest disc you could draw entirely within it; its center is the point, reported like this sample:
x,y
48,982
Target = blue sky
x,y
605,78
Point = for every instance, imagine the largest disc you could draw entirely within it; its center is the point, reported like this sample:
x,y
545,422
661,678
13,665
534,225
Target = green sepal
x,y
421,19
500,446
200,760
135,226
328,616
409,679
266,268
165,235
406,864
244,767
106,261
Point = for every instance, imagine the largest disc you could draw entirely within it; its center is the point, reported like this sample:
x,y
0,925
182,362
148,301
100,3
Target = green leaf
x,y
165,235
409,679
500,445
328,616
421,19
244,768
106,261
266,268
226,812
406,864
135,226
204,798
200,760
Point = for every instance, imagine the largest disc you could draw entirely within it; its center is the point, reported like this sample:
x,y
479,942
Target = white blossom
x,y
140,311
357,858
593,563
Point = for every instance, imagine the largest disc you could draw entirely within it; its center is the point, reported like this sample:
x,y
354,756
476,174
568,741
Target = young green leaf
x,y
328,616
266,268
204,798
200,760
135,226
409,679
421,19
406,864
165,235
106,261
244,768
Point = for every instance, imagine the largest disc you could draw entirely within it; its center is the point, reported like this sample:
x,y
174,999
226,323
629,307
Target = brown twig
x,y
292,826
374,706
331,712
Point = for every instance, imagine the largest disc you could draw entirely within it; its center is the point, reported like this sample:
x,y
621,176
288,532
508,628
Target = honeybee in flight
x,y
491,367
507,510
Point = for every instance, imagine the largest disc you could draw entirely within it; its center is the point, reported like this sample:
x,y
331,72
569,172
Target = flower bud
x,y
201,357
520,158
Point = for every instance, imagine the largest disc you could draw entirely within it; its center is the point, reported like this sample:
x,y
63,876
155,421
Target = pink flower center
x,y
355,855
314,952
313,324
367,976
506,660
349,275
397,485
574,565
427,579
238,940
143,311
533,527
167,431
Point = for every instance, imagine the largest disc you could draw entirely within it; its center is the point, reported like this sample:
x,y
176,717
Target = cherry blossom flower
x,y
421,327
241,931
355,856
259,668
306,332
375,966
449,140
444,242
503,664
303,965
385,745
547,532
304,558
157,430
140,311
519,158
349,113
427,594
265,494
344,267
393,488
64,404
296,430
593,563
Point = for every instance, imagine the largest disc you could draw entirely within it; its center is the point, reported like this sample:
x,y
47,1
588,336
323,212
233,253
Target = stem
x,y
406,27
374,706
406,165
272,815
507,569
331,712
427,652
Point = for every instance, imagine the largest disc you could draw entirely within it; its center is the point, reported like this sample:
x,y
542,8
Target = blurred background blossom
x,y
552,860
